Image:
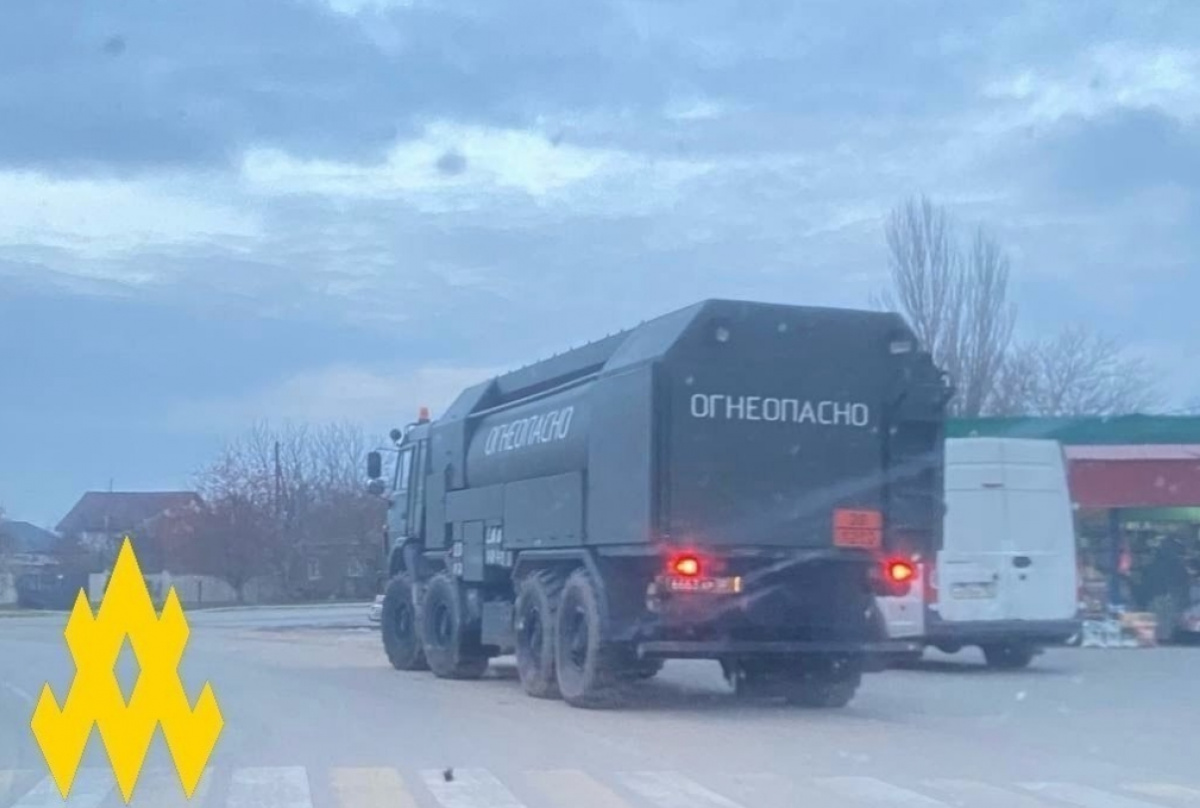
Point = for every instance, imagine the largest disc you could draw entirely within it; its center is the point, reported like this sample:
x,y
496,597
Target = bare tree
x,y
288,490
954,298
1074,372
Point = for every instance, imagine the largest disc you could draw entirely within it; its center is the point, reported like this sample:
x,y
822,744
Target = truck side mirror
x,y
374,465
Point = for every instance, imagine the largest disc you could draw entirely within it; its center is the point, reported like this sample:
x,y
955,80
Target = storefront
x,y
1135,482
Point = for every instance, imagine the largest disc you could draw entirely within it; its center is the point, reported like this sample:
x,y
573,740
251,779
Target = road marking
x,y
1167,791
469,788
1086,796
673,790
767,790
574,788
868,789
18,692
269,787
161,787
90,788
370,787
7,778
980,795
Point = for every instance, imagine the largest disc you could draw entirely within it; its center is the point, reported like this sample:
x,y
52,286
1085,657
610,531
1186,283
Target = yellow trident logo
x,y
95,694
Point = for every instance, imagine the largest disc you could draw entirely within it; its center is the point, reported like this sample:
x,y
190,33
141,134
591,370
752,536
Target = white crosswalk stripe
x,y
160,788
878,792
469,788
1087,797
269,787
88,790
393,787
983,795
674,790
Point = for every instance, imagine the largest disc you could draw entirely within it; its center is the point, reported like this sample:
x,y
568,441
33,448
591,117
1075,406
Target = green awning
x,y
1122,430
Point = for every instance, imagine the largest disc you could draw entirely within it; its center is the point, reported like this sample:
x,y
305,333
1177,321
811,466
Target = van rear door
x,y
970,567
1040,568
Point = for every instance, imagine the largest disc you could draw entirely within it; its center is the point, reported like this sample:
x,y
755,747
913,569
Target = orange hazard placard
x,y
857,528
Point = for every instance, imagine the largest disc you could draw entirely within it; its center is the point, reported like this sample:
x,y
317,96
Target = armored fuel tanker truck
x,y
732,481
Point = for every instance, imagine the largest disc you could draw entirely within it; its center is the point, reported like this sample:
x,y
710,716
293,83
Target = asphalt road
x,y
315,717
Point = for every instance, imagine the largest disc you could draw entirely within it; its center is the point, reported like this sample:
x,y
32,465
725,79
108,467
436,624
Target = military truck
x,y
732,481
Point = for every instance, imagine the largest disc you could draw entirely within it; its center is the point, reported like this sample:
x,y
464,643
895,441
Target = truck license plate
x,y
707,586
972,591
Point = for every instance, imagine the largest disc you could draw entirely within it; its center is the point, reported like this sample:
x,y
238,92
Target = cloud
x,y
335,393
453,166
1123,152
1105,78
95,217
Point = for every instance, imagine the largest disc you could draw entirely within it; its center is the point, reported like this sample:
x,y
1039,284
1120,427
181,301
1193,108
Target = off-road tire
x,y
534,627
817,683
584,667
1008,656
824,689
398,624
452,646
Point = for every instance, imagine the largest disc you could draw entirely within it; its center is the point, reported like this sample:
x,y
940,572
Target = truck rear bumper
x,y
716,649
1040,632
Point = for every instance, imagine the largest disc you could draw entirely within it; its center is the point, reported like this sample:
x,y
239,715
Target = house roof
x,y
1124,430
28,538
115,511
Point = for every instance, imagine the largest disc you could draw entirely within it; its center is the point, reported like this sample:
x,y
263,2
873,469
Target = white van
x,y
1006,577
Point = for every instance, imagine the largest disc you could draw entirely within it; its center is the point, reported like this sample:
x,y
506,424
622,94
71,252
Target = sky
x,y
217,212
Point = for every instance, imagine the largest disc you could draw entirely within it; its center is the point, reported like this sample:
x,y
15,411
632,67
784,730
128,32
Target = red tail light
x,y
686,566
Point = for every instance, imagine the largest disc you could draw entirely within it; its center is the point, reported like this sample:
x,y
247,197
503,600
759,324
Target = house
x,y
101,519
31,573
336,568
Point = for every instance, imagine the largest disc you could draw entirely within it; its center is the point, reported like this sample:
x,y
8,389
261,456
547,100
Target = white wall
x,y
194,589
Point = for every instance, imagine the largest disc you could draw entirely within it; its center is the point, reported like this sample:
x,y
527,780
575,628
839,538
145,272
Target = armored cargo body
x,y
732,481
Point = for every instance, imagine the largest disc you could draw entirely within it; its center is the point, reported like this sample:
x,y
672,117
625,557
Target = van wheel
x,y
537,598
585,673
401,640
1008,656
452,645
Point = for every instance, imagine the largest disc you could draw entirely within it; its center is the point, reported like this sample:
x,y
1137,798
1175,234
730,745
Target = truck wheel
x,y
584,672
1008,656
823,683
399,626
537,597
452,647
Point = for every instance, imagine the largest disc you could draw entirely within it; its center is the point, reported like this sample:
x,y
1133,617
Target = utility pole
x,y
278,481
